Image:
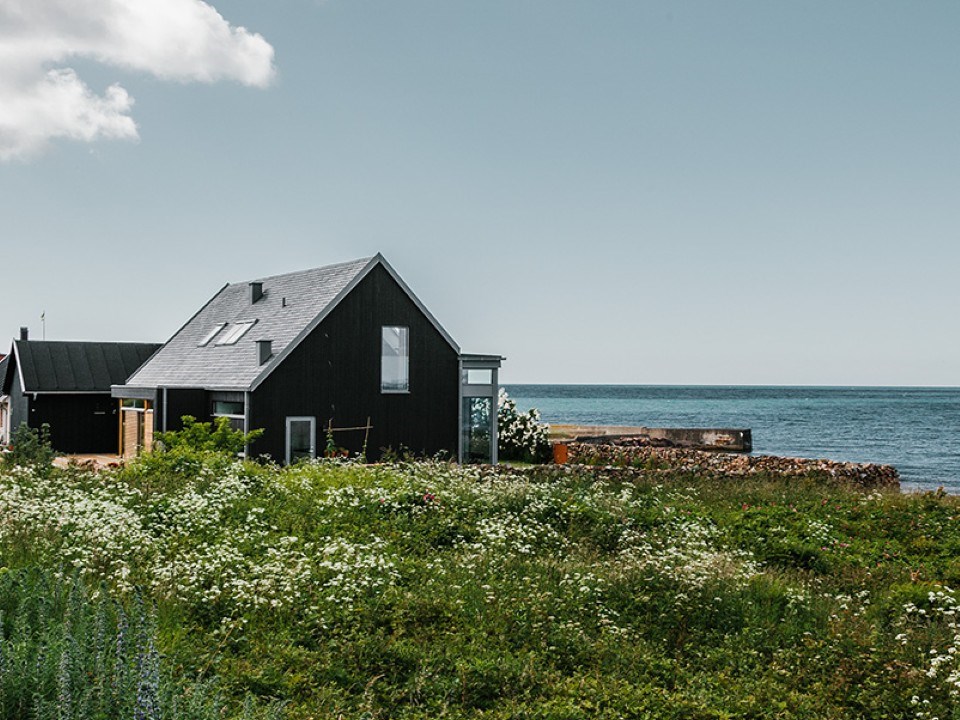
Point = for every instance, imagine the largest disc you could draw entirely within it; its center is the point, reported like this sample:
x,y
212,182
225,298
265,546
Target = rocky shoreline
x,y
673,460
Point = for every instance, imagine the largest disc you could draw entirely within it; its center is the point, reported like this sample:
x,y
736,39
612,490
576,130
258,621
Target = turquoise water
x,y
915,429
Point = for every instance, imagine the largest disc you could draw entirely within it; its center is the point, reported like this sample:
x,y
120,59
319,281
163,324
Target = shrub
x,y
31,448
521,435
217,436
181,454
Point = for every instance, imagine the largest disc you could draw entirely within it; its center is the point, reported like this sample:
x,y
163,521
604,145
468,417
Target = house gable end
x,y
333,376
377,261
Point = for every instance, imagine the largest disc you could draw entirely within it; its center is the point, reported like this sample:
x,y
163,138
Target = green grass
x,y
427,590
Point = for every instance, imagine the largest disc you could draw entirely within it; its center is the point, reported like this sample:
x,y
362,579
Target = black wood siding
x,y
182,402
78,423
19,403
334,375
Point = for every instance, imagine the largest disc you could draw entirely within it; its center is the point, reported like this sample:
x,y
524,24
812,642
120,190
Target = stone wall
x,y
681,460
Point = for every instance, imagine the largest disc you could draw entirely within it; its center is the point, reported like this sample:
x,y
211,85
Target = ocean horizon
x,y
915,429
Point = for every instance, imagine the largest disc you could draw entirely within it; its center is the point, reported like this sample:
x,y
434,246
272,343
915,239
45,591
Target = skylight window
x,y
234,332
211,335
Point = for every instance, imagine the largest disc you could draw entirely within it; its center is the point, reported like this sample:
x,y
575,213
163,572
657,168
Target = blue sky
x,y
616,192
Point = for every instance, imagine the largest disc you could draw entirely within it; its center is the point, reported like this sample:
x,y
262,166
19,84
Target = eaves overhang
x,y
131,392
145,392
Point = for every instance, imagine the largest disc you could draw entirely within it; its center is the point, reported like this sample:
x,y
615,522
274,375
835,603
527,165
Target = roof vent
x,y
264,350
24,333
256,291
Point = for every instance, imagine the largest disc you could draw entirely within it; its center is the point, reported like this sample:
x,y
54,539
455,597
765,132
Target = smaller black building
x,y
67,385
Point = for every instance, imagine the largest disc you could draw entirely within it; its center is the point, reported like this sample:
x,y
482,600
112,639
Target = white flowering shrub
x,y
687,552
94,529
935,625
521,435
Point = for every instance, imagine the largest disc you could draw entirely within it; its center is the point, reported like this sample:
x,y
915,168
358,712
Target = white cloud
x,y
41,98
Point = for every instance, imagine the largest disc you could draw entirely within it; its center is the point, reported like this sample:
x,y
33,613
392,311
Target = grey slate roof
x,y
308,294
66,366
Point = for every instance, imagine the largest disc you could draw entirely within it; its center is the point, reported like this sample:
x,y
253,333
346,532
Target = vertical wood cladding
x,y
180,402
19,404
334,376
78,423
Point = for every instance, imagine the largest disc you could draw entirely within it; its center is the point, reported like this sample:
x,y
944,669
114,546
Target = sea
x,y
915,429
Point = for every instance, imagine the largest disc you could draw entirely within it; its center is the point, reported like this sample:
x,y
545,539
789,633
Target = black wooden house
x,y
4,404
345,351
67,385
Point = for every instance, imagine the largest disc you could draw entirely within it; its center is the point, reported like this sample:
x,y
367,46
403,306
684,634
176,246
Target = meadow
x,y
192,585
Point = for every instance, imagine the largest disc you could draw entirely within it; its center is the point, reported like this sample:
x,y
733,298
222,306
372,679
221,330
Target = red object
x,y
561,454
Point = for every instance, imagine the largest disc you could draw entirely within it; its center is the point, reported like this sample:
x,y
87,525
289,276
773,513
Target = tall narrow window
x,y
395,359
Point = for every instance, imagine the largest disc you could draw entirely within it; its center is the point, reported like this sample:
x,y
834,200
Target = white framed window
x,y
228,408
394,359
478,376
235,331
211,335
233,410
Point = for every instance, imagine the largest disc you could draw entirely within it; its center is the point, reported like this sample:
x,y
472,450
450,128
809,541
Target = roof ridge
x,y
358,261
87,342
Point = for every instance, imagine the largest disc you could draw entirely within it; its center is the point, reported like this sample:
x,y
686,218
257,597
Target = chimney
x,y
24,333
264,350
256,291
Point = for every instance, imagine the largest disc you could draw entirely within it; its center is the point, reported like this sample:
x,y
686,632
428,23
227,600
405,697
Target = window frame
x,y
209,337
487,377
313,435
405,344
241,328
241,415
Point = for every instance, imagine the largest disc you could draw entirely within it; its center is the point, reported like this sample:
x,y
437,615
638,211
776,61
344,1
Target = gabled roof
x,y
58,366
291,307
